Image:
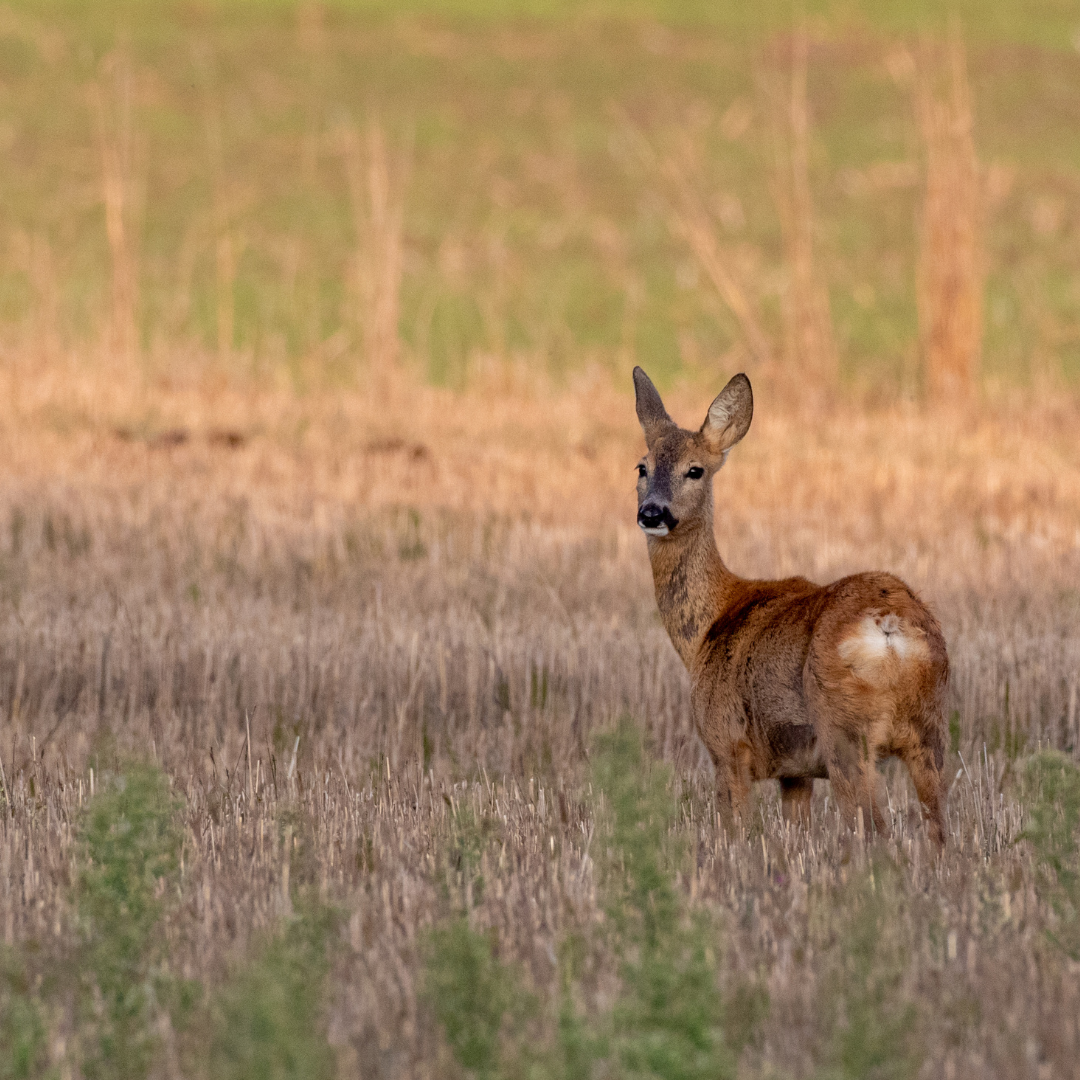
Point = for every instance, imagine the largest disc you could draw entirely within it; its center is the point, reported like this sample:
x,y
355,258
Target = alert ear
x,y
650,409
729,416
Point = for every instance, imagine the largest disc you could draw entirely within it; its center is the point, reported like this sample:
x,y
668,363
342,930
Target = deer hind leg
x,y
795,795
852,765
850,748
925,764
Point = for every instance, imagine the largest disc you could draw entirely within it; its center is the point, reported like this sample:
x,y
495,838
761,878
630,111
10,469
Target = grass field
x,y
327,637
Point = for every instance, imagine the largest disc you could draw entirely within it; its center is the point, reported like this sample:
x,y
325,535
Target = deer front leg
x,y
734,780
722,727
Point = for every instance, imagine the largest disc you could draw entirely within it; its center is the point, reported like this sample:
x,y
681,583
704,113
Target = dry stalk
x,y
950,268
690,220
36,256
110,98
809,345
226,244
376,191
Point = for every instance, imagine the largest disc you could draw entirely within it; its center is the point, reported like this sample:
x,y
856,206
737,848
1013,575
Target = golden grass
x,y
423,600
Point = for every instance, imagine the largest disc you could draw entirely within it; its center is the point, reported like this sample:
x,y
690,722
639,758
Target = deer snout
x,y
656,520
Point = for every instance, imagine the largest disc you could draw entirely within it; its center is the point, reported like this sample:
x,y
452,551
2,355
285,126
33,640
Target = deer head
x,y
675,475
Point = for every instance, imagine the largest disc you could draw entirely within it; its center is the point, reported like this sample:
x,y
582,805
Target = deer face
x,y
675,476
673,481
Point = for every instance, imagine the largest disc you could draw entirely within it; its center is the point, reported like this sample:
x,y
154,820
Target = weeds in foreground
x,y
267,1018
129,842
474,995
1053,784
668,1018
23,1051
868,1025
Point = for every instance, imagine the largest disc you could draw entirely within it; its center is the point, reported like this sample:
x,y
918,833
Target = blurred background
x,y
876,197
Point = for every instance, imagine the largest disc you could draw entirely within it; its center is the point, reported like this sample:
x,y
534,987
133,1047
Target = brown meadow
x,y
362,612
317,449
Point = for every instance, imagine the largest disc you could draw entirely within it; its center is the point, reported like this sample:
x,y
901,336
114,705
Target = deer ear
x,y
729,416
650,409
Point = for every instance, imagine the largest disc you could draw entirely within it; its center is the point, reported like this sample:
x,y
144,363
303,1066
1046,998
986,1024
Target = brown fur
x,y
790,680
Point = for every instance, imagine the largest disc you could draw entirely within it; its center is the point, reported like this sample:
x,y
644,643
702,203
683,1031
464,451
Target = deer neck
x,y
691,583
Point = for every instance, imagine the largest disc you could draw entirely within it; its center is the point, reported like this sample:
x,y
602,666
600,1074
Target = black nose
x,y
650,515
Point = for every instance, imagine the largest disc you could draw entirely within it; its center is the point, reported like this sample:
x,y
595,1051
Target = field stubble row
x,y
373,620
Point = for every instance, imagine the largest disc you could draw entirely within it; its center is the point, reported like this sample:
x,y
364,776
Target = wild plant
x,y
475,996
129,843
868,1024
668,1019
1053,785
23,1044
267,1018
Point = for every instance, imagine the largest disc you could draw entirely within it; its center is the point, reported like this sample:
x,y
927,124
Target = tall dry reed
x,y
809,345
227,244
951,271
377,188
111,101
684,185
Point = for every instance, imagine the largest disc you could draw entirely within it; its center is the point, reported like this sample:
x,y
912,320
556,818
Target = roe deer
x,y
789,680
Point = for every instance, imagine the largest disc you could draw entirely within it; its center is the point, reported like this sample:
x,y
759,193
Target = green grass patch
x,y
868,1022
129,843
23,1040
268,1018
1052,782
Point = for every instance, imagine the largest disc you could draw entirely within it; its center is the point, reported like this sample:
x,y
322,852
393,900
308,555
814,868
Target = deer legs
x,y
852,764
796,793
925,763
734,780
851,760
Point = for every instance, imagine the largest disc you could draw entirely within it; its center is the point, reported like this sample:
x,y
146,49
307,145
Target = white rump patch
x,y
881,643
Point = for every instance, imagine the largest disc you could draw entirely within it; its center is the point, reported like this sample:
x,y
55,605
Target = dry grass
x,y
361,616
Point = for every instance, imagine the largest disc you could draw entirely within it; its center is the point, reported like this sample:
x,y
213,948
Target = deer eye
x,y
642,471
696,473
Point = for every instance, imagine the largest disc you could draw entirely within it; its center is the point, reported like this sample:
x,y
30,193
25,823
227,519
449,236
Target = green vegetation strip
x,y
529,230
